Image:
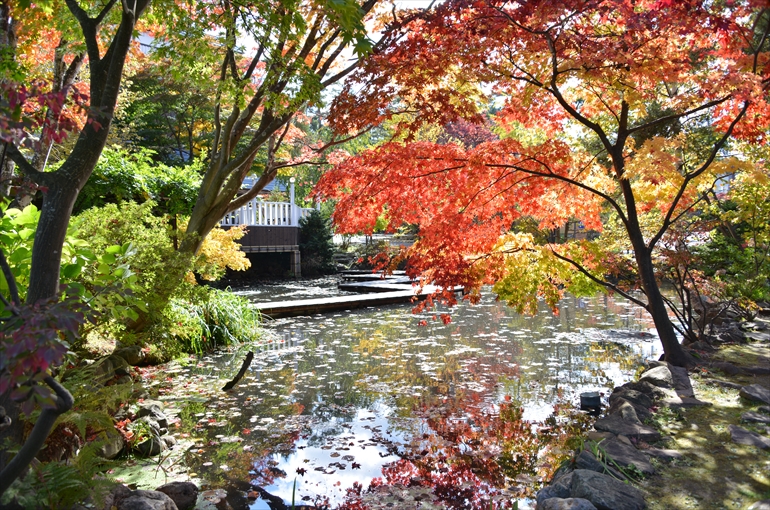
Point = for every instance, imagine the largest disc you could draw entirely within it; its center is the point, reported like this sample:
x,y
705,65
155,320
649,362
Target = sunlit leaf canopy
x,y
627,107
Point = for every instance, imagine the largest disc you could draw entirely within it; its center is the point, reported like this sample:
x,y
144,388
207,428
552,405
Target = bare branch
x,y
13,290
601,282
37,437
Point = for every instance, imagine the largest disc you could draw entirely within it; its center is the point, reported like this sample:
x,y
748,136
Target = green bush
x,y
737,253
316,245
101,280
158,267
122,176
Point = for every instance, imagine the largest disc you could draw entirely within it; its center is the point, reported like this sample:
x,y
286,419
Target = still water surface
x,y
331,400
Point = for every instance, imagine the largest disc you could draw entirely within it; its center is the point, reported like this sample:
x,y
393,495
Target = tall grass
x,y
211,319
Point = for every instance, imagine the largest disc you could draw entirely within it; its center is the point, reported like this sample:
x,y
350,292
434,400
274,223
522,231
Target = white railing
x,y
266,214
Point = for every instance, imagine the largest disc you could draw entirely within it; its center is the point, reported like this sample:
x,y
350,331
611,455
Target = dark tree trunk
x,y
656,306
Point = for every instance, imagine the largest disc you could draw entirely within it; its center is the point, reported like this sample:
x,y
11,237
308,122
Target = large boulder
x,y
659,376
629,411
587,460
755,417
112,443
605,492
633,396
560,488
663,454
566,504
154,410
740,435
153,444
108,367
145,500
625,455
184,494
133,354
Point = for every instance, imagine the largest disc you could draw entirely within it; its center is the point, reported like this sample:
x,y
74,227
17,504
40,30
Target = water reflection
x,y
332,399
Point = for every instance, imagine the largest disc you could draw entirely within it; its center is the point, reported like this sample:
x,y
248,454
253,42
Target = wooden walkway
x,y
374,291
280,309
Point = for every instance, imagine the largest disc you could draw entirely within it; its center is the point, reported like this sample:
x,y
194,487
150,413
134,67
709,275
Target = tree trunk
x,y
656,307
672,348
56,211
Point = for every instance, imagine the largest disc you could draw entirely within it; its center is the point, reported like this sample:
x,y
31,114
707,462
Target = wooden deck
x,y
280,309
372,288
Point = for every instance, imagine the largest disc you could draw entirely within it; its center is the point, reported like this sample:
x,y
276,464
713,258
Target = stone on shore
x,y
756,393
566,504
633,396
619,426
625,455
184,494
755,417
740,435
659,376
145,500
663,454
605,492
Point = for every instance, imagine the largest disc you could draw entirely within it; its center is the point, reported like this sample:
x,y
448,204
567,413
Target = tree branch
x,y
601,282
13,290
689,176
36,438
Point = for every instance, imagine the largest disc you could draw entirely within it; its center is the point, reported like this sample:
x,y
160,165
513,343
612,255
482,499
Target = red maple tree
x,y
612,107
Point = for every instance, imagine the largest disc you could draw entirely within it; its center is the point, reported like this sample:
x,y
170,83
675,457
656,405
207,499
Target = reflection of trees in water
x,y
358,358
453,378
477,457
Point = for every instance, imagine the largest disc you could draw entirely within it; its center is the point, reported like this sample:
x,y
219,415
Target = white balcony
x,y
257,213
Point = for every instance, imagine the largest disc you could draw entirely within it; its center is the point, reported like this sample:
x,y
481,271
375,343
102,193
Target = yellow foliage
x,y
655,169
218,252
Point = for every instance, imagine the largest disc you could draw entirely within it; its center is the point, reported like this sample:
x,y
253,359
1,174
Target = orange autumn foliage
x,y
637,81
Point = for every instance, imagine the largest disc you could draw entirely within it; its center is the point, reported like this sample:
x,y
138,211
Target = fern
x,y
63,484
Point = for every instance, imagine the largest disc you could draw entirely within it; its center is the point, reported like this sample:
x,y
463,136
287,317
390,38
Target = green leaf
x,y
26,233
19,255
70,271
107,258
78,289
115,249
86,254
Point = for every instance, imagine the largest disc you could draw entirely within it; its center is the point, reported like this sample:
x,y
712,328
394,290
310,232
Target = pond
x,y
469,414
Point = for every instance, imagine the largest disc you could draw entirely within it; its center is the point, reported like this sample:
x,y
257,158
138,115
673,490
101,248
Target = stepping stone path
x,y
756,393
740,435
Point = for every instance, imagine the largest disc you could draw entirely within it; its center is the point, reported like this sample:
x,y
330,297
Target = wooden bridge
x,y
271,227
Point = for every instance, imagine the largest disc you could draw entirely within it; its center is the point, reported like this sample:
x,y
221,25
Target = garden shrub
x,y
737,253
122,176
154,261
316,245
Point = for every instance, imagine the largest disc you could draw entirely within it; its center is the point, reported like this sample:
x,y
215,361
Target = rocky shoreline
x,y
623,448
